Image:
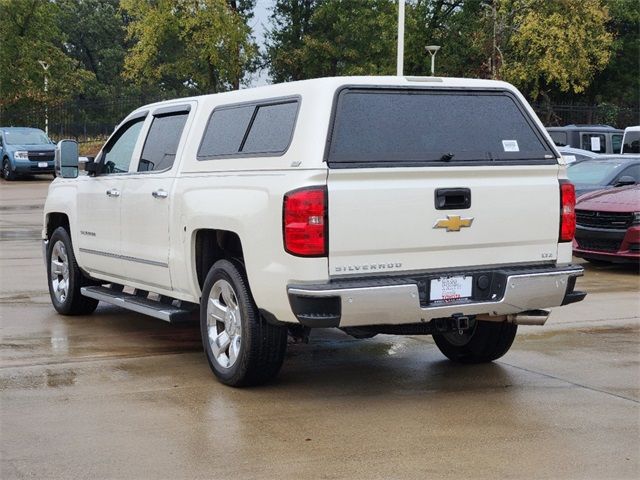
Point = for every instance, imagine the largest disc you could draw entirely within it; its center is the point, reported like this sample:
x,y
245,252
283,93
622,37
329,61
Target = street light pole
x,y
433,49
400,62
45,66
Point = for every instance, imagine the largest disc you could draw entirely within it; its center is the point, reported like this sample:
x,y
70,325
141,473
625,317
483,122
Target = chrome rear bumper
x,y
399,303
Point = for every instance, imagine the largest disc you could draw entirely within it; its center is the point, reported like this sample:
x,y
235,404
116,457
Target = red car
x,y
608,225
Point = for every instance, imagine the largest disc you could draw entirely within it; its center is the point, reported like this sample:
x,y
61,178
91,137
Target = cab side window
x,y
161,145
117,155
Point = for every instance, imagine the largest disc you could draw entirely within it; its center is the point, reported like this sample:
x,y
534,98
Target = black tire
x,y
72,302
7,173
484,342
261,348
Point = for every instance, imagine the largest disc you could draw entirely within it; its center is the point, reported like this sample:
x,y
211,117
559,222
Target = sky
x,y
259,24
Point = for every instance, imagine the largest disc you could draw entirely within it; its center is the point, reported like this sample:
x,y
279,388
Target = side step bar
x,y
136,302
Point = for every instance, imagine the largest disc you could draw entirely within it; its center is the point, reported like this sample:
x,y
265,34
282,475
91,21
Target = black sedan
x,y
604,172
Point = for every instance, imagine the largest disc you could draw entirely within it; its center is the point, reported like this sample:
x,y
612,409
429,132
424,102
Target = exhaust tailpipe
x,y
530,317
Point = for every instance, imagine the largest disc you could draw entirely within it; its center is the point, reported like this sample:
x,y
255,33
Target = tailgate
x,y
438,179
387,220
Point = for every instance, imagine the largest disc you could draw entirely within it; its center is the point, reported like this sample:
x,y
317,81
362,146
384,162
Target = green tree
x,y
95,36
558,45
189,46
455,25
619,82
291,22
332,37
30,33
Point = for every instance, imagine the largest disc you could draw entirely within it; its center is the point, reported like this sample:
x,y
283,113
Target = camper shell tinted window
x,y
396,127
250,130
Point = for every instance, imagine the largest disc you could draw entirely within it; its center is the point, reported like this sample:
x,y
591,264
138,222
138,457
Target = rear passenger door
x,y
146,199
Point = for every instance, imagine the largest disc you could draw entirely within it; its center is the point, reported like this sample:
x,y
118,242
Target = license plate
x,y
450,288
43,164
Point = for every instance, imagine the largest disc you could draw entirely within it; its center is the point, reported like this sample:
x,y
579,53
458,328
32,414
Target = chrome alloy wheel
x,y
59,271
224,324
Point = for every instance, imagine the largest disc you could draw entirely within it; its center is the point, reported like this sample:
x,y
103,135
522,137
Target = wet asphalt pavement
x,y
120,395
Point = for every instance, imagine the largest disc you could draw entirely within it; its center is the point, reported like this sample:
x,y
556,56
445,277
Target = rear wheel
x,y
65,277
241,347
482,342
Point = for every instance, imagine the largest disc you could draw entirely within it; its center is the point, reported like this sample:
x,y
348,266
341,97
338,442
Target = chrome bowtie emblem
x,y
453,223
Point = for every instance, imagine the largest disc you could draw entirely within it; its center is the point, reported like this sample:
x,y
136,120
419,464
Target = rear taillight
x,y
567,211
304,222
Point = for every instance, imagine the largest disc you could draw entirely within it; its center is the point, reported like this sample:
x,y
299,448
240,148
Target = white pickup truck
x,y
396,205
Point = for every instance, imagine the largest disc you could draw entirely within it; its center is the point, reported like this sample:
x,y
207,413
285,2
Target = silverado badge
x,y
453,223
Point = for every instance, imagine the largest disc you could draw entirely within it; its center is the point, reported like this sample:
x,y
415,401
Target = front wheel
x,y
242,348
482,342
65,277
7,173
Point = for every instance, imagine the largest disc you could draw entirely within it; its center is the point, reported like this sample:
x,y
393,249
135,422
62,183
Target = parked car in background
x,y
608,225
595,138
631,140
576,154
25,151
605,172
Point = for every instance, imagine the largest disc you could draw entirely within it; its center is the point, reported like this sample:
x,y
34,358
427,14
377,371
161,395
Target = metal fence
x,y
87,120
82,120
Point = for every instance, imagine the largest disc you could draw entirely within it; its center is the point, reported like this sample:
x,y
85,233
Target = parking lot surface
x,y
120,395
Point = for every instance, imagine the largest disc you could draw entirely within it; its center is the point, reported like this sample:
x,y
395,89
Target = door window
x,y
594,142
118,153
632,171
616,142
559,138
631,142
160,147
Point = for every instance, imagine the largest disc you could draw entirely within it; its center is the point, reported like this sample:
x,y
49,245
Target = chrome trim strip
x,y
400,304
125,257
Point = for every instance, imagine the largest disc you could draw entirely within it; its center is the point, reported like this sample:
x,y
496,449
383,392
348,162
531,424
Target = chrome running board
x,y
165,309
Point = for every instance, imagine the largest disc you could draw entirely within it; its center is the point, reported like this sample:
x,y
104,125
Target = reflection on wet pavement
x,y
120,395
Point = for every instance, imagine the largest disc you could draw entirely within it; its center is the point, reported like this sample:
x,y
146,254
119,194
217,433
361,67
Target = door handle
x,y
160,194
453,198
113,192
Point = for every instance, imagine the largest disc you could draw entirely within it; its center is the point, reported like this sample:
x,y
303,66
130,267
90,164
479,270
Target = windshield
x,y
592,173
395,127
25,137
